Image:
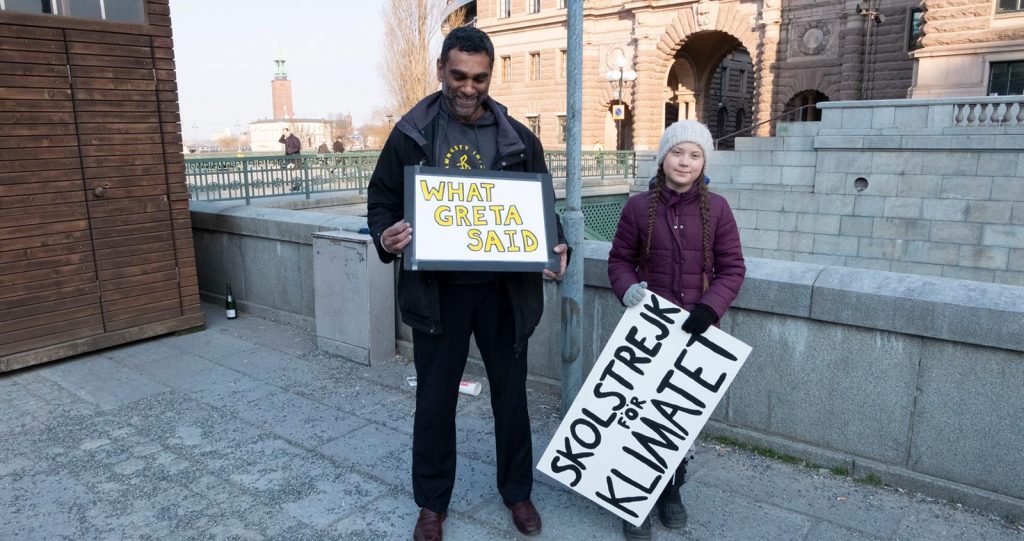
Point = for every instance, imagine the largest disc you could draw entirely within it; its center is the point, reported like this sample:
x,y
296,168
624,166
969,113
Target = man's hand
x,y
397,237
561,250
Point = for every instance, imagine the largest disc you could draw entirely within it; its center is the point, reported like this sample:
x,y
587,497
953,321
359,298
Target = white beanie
x,y
686,131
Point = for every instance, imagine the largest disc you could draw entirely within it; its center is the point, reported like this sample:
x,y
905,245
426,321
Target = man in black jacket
x,y
462,127
292,147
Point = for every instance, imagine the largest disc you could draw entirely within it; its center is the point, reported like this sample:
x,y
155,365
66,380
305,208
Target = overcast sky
x,y
225,49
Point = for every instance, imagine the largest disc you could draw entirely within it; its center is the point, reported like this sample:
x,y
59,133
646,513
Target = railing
x,y
247,178
763,122
986,112
595,164
600,215
252,177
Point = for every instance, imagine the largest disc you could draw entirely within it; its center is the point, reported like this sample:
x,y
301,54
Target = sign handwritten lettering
x,y
650,393
480,220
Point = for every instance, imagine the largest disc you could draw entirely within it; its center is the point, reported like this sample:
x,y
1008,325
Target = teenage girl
x,y
681,242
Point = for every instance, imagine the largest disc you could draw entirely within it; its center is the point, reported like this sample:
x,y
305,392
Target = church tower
x,y
281,89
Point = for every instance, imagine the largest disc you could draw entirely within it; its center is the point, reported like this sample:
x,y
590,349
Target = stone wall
x,y
898,185
909,378
913,379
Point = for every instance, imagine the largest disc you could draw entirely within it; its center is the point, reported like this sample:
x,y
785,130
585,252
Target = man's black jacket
x,y
412,143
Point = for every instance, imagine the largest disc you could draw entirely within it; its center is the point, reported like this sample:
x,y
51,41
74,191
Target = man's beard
x,y
461,107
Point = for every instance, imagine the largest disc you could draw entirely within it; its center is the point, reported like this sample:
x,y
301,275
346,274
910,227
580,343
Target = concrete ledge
x,y
268,222
780,287
945,308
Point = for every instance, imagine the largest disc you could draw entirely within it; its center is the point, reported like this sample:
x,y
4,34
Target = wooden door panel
x,y
95,237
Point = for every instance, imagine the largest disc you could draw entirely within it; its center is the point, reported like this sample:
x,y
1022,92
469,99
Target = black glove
x,y
701,317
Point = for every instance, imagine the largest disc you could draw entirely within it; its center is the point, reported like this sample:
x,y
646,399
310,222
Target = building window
x,y
914,26
534,66
1009,5
561,128
534,122
506,69
128,11
720,124
1006,78
739,119
563,60
504,9
534,6
743,81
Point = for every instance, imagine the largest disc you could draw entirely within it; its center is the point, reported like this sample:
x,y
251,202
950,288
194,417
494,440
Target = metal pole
x,y
618,122
572,285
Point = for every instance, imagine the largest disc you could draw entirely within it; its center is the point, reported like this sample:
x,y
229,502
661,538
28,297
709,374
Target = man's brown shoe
x,y
525,516
428,525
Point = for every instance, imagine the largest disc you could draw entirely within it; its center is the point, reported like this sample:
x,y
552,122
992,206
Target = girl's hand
x,y
700,319
635,294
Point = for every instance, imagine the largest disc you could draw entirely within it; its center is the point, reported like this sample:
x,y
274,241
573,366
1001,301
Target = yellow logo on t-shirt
x,y
463,157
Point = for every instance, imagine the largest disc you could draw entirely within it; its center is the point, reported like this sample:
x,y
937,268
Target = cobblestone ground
x,y
245,431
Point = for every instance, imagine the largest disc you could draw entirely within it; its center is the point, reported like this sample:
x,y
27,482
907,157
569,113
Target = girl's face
x,y
682,165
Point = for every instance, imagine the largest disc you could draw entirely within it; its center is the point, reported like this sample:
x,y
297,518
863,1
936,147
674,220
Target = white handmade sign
x,y
650,393
480,220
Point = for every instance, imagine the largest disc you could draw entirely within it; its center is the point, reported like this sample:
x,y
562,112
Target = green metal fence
x,y
600,215
251,177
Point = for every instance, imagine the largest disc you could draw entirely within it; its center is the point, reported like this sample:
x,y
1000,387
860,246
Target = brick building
x,y
727,63
969,48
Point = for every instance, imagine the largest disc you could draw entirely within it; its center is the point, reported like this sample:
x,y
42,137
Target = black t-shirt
x,y
470,145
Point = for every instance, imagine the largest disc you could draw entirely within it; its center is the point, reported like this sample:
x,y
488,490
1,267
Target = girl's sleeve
x,y
728,263
623,257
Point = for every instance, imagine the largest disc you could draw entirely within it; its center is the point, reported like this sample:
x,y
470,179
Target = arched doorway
x,y
800,107
681,102
711,80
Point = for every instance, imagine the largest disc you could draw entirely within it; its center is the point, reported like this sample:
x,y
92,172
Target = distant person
x,y
680,241
338,148
445,309
322,149
292,144
292,147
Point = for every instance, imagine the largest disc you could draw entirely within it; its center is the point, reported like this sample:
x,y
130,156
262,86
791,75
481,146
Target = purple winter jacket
x,y
677,251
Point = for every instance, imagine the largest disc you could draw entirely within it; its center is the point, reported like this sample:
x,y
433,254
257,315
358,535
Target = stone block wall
x,y
910,378
895,185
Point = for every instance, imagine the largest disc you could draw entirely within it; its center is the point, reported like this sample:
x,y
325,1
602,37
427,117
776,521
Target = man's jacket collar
x,y
420,121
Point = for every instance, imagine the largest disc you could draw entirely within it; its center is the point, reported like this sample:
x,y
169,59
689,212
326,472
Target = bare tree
x,y
407,65
229,143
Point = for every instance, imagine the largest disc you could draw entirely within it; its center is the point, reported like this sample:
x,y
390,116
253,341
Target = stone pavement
x,y
245,431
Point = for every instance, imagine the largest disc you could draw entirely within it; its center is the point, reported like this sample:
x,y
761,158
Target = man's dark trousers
x,y
484,311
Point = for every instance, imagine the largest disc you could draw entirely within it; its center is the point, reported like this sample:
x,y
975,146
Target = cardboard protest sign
x,y
650,393
479,220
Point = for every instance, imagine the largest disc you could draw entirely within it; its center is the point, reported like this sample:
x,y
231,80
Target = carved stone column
x,y
648,99
770,29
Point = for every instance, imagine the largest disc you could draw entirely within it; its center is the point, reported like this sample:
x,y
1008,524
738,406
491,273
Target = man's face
x,y
465,79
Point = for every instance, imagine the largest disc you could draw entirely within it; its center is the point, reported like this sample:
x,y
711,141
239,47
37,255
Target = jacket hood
x,y
418,124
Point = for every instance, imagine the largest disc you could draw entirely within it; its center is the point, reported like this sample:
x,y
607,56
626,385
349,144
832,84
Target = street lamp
x,y
618,78
195,135
390,119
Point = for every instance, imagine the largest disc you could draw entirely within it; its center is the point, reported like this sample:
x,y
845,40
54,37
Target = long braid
x,y
652,210
705,220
